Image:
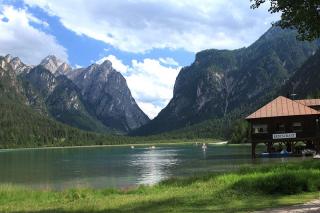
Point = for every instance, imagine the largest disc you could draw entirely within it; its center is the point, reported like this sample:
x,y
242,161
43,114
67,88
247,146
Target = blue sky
x,y
148,41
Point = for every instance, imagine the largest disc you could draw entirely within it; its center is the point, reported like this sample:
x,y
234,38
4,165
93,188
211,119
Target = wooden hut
x,y
286,122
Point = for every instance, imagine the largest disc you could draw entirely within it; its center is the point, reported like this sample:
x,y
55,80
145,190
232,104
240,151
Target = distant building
x,y
287,122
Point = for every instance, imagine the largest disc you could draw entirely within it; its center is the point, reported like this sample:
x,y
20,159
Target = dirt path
x,y
313,206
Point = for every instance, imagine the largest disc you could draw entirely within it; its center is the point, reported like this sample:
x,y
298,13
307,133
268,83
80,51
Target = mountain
x,y
305,81
221,82
96,98
21,126
106,94
55,65
58,97
9,85
17,65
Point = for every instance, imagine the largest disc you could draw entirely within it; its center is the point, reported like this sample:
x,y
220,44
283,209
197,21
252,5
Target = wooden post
x,y
289,146
317,146
269,147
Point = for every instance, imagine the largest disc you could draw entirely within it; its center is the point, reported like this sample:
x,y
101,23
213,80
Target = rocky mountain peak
x,y
106,65
92,67
3,62
8,77
55,65
51,60
8,58
95,72
107,94
16,64
63,68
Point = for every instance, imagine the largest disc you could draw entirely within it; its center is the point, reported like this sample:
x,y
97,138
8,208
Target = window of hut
x,y
260,128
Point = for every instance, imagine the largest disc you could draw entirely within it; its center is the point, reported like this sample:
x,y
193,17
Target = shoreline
x,y
183,142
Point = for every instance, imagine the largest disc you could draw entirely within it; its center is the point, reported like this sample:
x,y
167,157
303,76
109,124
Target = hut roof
x,y
281,107
309,102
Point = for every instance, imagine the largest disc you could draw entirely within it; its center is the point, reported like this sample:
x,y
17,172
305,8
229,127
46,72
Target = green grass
x,y
243,191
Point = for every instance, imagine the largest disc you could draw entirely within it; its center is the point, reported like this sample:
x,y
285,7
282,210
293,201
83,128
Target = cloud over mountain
x,y
20,37
139,26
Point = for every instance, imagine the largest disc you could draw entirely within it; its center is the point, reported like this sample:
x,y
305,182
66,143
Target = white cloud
x,y
77,66
150,109
150,82
142,25
19,38
169,61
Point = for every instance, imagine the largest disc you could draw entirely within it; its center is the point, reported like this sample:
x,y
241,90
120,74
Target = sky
x,y
148,41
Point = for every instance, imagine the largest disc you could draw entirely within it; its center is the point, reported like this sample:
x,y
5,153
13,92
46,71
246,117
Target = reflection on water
x,y
204,151
154,165
103,167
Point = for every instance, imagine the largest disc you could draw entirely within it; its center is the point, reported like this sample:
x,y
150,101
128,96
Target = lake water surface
x,y
104,167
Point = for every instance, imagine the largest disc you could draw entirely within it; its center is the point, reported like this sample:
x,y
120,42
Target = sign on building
x,y
284,136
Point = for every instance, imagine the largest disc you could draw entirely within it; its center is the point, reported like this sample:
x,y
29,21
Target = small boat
x,y
132,147
282,154
152,147
265,154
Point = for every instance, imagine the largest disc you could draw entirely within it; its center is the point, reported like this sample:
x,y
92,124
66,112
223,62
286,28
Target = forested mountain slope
x,y
222,82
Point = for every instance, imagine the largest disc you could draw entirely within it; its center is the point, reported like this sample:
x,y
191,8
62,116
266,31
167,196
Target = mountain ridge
x,y
48,89
221,81
106,92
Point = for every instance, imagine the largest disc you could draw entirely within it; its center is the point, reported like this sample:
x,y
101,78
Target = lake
x,y
104,167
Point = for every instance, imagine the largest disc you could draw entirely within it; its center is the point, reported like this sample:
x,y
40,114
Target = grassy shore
x,y
243,191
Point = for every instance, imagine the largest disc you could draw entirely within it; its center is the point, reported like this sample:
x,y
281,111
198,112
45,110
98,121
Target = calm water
x,y
118,166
